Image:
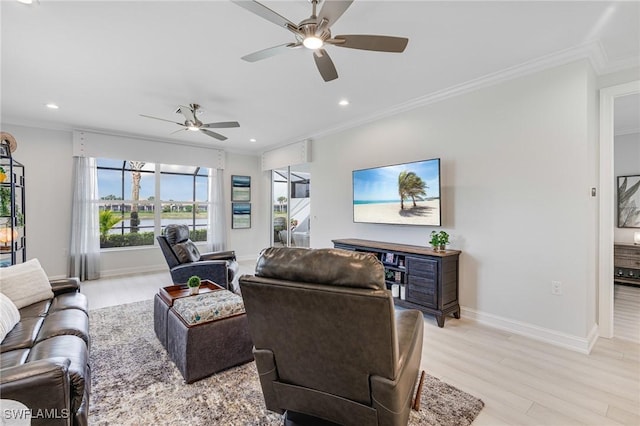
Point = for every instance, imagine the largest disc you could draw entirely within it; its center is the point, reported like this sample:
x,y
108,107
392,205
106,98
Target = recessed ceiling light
x,y
343,102
252,140
52,106
25,1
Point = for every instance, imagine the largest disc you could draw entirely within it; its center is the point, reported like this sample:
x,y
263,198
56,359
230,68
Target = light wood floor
x,y
626,312
522,381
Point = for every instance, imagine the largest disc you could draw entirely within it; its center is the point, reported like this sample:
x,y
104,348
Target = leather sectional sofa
x,y
44,359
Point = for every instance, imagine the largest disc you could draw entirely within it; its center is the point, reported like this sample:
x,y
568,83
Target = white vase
x,y
194,290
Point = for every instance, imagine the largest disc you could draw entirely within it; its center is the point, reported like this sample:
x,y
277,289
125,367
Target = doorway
x,y
291,206
607,204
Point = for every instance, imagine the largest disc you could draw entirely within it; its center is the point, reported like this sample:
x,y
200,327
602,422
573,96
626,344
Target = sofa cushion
x,y
73,322
9,316
23,334
25,283
38,309
13,358
322,266
176,233
69,301
75,350
187,252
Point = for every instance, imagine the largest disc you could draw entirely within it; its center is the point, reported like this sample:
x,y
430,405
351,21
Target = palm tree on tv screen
x,y
410,185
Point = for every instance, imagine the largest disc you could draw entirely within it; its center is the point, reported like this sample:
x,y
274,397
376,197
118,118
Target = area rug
x,y
135,383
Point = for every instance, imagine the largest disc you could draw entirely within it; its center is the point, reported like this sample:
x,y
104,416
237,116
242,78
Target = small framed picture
x,y
389,259
629,201
4,149
240,188
241,215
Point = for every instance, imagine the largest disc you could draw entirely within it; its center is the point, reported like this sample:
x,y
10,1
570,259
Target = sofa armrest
x,y
40,385
219,255
65,285
213,270
392,396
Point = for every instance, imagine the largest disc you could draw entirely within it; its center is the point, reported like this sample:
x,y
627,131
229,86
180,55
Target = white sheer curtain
x,y
217,231
85,227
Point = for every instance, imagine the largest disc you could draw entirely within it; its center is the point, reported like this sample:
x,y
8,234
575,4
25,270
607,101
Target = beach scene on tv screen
x,y
403,194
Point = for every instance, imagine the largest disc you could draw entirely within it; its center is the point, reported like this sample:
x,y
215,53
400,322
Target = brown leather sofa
x,y
328,343
44,359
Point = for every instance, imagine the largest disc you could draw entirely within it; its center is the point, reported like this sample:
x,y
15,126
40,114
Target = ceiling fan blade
x,y
371,42
162,119
179,130
188,112
213,134
265,13
269,52
220,125
333,10
325,65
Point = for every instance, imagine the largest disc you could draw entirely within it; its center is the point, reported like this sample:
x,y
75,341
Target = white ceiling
x,y
104,63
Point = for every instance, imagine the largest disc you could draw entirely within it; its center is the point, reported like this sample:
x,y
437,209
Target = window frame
x,y
157,203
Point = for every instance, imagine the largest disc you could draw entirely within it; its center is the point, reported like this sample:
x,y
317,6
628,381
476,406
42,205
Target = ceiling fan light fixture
x,y
312,42
193,128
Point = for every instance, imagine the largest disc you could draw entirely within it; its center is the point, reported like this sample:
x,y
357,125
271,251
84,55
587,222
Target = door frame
x,y
608,203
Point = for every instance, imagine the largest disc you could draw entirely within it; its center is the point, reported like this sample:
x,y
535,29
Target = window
x,y
138,199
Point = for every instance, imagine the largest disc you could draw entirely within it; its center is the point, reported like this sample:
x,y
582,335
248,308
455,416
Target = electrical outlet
x,y
556,288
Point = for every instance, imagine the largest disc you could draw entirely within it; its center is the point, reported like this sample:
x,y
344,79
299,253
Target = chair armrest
x,y
65,285
392,396
40,385
213,270
219,255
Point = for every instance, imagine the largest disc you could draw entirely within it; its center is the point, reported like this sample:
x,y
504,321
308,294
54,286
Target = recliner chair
x,y
185,260
328,343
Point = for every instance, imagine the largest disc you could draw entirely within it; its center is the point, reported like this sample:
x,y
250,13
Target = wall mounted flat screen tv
x,y
400,194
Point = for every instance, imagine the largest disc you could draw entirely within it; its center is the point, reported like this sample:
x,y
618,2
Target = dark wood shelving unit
x,y
12,209
626,260
430,278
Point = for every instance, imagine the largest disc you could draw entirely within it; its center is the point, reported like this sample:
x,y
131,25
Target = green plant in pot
x,y
439,240
444,240
194,284
435,240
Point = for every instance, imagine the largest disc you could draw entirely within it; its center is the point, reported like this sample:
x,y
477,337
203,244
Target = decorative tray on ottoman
x,y
173,292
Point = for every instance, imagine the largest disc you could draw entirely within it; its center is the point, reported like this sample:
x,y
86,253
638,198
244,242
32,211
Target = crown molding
x,y
592,51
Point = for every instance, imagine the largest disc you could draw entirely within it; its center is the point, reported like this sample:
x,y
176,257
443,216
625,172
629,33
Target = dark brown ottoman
x,y
207,333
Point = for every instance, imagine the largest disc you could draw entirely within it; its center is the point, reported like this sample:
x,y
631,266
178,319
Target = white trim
x,y
592,51
146,269
553,337
607,204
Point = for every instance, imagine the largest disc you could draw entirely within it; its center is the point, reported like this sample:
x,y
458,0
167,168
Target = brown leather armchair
x,y
328,343
185,260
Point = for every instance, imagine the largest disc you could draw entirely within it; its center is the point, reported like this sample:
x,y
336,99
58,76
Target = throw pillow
x,y
25,283
9,316
187,252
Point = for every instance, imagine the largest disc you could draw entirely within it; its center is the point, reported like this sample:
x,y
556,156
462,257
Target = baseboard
x,y
146,269
554,337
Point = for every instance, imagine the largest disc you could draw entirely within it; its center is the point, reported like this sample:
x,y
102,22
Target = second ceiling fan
x,y
315,32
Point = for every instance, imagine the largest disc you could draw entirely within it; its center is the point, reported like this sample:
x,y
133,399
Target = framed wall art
x,y
240,215
240,188
629,201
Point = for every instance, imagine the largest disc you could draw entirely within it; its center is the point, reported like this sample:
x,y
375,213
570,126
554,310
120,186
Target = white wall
x,y
47,156
518,163
248,242
626,162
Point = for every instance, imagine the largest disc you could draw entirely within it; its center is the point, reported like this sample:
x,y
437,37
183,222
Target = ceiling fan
x,y
192,123
315,32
